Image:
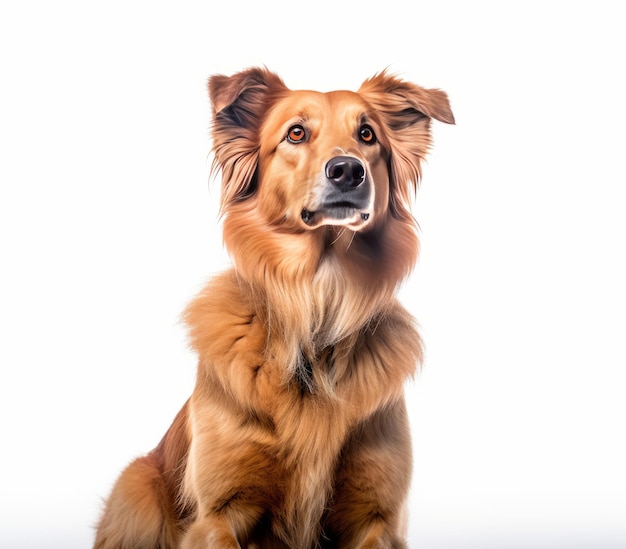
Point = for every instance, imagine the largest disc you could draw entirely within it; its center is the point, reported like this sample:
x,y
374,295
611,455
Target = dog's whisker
x,y
339,235
350,241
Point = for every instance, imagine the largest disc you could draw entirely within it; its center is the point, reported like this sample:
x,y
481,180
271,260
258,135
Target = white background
x,y
108,228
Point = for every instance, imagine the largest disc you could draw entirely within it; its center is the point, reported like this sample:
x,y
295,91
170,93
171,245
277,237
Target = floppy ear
x,y
239,104
405,110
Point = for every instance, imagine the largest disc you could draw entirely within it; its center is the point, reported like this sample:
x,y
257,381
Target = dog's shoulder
x,y
220,320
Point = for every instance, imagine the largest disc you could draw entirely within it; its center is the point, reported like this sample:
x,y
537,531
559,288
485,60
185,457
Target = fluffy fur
x,y
296,433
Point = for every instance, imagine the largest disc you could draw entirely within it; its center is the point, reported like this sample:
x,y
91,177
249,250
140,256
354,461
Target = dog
x,y
296,433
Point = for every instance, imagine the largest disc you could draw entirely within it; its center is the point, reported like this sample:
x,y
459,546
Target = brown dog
x,y
296,434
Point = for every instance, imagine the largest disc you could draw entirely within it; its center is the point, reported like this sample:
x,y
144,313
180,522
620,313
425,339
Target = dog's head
x,y
304,162
337,158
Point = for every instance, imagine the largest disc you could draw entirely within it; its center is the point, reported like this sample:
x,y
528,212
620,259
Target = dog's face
x,y
308,175
323,161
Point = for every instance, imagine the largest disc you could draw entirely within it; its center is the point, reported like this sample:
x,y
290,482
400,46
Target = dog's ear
x,y
406,110
239,104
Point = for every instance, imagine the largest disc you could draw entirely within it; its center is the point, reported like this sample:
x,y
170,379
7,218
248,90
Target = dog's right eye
x,y
296,134
367,135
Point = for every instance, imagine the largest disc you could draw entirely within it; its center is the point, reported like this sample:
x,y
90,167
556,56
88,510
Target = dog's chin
x,y
339,216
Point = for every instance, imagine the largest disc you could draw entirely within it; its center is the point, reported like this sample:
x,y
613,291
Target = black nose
x,y
345,172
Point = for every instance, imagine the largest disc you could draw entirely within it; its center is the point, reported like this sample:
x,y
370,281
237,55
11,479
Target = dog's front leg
x,y
212,531
372,482
227,478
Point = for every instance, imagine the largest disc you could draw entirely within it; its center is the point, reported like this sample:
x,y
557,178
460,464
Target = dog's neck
x,y
333,292
313,289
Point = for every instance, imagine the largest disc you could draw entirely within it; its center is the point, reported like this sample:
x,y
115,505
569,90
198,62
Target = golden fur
x,y
296,433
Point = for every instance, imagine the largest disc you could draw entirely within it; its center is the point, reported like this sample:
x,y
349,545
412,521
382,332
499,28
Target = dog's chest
x,y
309,440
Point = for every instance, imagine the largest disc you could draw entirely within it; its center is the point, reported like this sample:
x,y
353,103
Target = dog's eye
x,y
367,135
296,134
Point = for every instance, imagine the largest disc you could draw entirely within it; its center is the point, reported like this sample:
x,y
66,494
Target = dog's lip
x,y
339,213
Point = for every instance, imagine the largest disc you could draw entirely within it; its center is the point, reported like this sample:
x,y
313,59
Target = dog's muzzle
x,y
346,197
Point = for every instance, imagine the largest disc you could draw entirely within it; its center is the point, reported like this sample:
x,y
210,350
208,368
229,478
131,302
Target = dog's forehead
x,y
314,105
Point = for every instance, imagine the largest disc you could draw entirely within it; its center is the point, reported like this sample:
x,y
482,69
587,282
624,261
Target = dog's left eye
x,y
367,135
296,134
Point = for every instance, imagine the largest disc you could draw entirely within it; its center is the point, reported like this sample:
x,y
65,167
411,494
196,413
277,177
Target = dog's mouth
x,y
345,214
